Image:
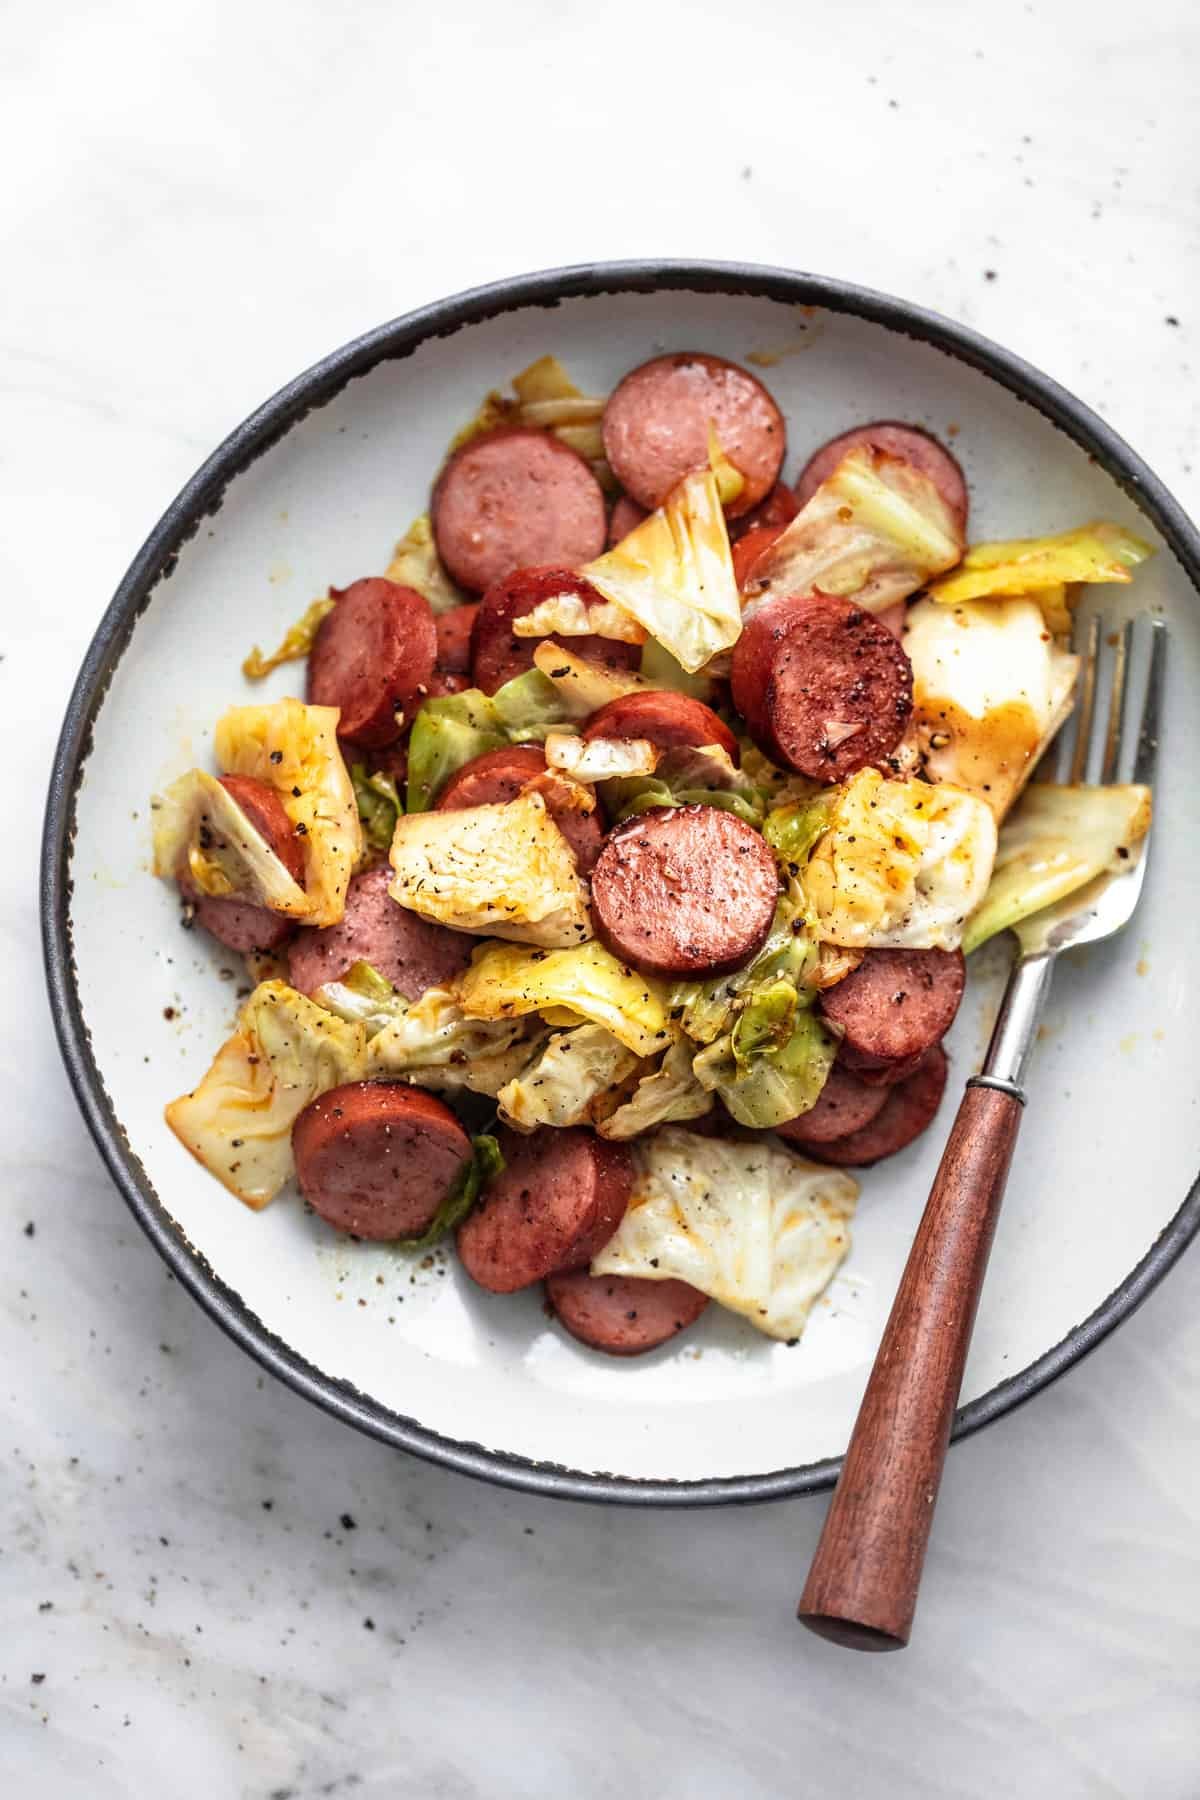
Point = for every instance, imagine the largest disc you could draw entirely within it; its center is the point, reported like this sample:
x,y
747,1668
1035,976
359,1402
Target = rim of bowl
x,y
155,561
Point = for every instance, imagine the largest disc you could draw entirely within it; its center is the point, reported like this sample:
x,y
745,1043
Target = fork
x,y
863,1582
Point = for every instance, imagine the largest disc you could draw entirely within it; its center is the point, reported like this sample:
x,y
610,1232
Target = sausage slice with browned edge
x,y
845,1104
555,1204
408,951
824,688
777,510
670,720
454,638
497,655
498,776
656,427
896,1004
623,1314
687,891
377,1159
513,498
373,658
908,1109
239,924
908,443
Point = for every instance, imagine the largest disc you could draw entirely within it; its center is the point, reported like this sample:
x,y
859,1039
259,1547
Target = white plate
x,y
315,489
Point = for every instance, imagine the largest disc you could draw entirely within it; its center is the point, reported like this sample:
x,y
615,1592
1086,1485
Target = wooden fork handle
x,y
862,1586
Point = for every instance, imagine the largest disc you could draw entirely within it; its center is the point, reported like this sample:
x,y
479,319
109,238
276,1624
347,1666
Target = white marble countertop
x,y
208,1588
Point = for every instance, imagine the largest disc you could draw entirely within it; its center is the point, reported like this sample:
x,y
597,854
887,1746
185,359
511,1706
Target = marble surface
x,y
206,1587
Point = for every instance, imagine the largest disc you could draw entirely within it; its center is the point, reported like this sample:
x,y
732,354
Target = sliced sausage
x,y
908,1109
408,951
908,443
749,548
880,1075
443,682
557,1201
823,687
498,776
454,638
627,515
669,720
896,1004
497,656
845,1104
514,498
373,657
377,1159
687,891
239,924
657,420
623,1315
777,510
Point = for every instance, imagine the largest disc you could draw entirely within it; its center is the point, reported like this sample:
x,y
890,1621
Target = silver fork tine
x,y
1116,703
1085,708
1147,744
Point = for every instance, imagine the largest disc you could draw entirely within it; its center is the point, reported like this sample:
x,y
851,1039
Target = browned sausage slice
x,y
373,658
556,1202
408,951
239,924
908,1109
454,639
824,688
777,510
498,656
498,776
657,419
845,1105
749,548
880,1074
627,515
670,720
908,443
377,1159
690,890
896,1004
511,499
623,1314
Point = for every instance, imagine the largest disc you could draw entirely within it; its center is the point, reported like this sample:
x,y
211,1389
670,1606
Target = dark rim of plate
x,y
155,561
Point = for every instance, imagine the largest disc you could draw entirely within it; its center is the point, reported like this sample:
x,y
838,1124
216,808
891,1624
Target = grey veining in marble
x,y
208,1589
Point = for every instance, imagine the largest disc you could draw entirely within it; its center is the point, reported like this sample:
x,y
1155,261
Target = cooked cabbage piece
x,y
1098,552
198,823
297,641
568,1079
874,532
568,615
670,1092
674,574
238,1121
687,777
433,1044
294,749
379,805
706,1009
899,865
773,1063
453,729
1055,842
583,687
505,981
600,759
990,690
660,670
503,871
759,1230
416,564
